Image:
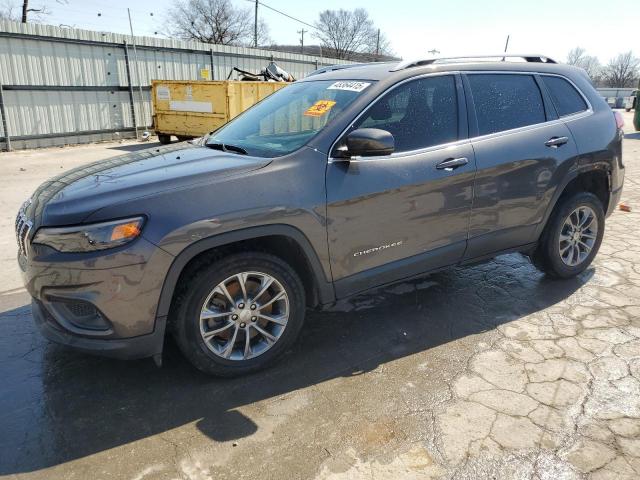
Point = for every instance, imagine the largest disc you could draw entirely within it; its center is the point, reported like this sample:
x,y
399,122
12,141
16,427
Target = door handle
x,y
555,142
452,164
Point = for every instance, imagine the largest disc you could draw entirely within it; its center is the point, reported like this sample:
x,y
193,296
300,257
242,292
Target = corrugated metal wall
x,y
615,97
64,86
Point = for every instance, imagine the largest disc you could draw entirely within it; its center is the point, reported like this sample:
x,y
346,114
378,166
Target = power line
x,y
286,15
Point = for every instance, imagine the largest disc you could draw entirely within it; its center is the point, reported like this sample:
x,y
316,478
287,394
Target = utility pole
x,y
636,115
138,76
255,28
302,32
378,44
26,10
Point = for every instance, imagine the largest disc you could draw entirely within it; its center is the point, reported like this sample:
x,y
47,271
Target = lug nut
x,y
253,307
242,325
254,319
234,317
241,305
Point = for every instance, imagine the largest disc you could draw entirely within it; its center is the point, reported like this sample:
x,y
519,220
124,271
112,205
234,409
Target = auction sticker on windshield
x,y
319,108
351,86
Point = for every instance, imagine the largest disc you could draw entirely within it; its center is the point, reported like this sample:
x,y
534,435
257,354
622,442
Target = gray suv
x,y
355,177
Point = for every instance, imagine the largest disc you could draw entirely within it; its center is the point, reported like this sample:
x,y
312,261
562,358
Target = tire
x,y
547,256
164,139
202,289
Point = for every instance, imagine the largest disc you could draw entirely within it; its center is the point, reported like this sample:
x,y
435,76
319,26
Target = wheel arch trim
x,y
603,167
324,287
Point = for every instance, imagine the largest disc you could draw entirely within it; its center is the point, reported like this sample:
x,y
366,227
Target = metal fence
x,y
62,86
615,97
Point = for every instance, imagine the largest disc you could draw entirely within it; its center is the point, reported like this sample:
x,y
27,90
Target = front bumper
x,y
103,302
121,348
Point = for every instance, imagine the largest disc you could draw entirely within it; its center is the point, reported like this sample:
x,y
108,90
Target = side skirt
x,y
343,285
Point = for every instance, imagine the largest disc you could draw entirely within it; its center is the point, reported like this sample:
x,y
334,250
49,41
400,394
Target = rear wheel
x,y
572,237
238,314
164,139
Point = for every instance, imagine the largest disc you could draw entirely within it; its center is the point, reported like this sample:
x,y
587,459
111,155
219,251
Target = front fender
x,y
324,286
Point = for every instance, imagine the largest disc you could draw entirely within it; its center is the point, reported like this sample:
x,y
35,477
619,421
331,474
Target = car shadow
x,y
60,405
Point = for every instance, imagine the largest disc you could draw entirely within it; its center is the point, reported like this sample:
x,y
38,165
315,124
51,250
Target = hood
x,y
69,198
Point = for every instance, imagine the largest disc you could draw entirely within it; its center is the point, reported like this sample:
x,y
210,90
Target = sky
x,y
454,27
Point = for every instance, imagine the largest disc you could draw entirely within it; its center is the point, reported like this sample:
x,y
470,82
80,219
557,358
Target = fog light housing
x,y
80,314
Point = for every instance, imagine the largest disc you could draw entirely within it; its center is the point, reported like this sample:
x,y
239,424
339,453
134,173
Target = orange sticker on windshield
x,y
319,108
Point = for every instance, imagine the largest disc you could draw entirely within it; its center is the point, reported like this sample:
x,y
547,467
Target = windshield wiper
x,y
225,147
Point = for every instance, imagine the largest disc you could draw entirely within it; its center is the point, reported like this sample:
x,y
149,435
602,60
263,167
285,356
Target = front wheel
x,y
572,237
238,314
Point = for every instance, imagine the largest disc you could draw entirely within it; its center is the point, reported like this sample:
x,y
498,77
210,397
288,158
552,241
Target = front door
x,y
395,216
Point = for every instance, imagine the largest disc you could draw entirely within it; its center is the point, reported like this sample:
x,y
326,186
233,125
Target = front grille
x,y
23,227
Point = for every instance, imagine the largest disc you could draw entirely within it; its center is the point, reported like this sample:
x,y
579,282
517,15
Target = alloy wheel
x,y
244,315
578,236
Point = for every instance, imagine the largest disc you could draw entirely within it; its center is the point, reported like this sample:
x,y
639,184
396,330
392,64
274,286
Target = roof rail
x,y
503,56
332,68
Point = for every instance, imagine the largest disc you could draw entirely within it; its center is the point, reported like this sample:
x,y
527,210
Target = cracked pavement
x,y
492,371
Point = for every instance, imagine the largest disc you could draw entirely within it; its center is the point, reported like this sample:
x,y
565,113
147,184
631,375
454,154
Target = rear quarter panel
x,y
597,138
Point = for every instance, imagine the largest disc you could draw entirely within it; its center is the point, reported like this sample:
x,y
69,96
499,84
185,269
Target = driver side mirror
x,y
367,142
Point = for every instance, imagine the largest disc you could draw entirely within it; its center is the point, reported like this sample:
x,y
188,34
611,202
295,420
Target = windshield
x,y
287,119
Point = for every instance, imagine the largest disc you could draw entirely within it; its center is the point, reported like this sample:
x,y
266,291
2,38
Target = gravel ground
x,y
487,372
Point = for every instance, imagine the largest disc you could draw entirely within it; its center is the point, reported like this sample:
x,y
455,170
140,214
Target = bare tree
x,y
592,66
21,11
214,21
589,63
575,55
8,11
345,32
379,44
622,71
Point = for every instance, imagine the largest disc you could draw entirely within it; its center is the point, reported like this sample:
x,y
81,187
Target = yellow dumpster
x,y
189,109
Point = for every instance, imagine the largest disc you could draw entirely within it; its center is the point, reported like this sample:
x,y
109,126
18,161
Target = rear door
x,y
522,151
390,217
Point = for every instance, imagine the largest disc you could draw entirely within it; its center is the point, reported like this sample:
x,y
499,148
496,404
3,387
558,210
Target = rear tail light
x,y
619,119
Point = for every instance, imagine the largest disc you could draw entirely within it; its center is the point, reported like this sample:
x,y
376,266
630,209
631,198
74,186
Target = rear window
x,y
565,97
506,101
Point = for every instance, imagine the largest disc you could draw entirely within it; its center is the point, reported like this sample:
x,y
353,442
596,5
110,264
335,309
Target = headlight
x,y
91,237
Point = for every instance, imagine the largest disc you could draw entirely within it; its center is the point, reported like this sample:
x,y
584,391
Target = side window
x,y
565,97
419,114
506,101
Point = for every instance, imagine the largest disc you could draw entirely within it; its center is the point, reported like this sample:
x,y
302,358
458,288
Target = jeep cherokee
x,y
355,177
